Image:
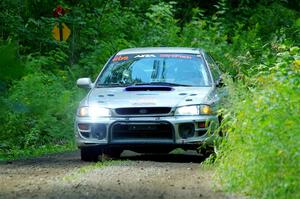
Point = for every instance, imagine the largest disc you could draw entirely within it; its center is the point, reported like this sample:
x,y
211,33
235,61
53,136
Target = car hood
x,y
120,97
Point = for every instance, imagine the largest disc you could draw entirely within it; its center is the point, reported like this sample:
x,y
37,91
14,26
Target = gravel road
x,y
134,176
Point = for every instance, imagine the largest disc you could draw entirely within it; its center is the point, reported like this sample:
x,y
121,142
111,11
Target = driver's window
x,y
213,67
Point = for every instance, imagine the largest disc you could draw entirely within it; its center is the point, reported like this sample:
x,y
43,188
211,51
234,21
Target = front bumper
x,y
170,130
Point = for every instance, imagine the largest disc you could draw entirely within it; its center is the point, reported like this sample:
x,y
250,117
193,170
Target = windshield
x,y
164,69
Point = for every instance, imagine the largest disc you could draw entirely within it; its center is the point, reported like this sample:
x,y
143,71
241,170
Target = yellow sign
x,y
61,32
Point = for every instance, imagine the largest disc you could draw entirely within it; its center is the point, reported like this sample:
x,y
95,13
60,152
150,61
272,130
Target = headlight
x,y
83,111
187,110
205,109
93,111
194,110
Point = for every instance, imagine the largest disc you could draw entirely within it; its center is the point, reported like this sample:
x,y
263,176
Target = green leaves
x,y
10,64
260,155
298,22
161,28
41,112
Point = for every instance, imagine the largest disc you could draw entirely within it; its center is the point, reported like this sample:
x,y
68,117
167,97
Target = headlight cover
x,y
93,111
194,110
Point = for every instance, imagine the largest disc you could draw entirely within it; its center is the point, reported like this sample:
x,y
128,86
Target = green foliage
x,y
34,151
161,29
259,156
252,40
11,21
41,112
10,65
10,68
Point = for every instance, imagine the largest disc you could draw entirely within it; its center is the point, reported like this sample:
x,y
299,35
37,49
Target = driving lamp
x,y
93,111
194,110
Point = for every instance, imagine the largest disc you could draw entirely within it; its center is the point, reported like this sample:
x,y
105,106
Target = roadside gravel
x,y
134,176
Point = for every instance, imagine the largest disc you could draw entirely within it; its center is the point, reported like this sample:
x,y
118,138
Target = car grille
x,y
143,111
141,131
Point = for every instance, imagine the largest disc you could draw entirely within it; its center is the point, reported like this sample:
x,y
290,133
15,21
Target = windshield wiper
x,y
160,83
112,85
140,84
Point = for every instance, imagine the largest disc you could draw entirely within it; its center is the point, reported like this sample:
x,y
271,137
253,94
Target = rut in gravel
x,y
133,176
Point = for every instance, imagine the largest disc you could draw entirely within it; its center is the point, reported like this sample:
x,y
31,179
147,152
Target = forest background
x,y
256,43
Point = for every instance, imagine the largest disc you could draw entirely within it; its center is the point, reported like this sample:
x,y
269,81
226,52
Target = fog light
x,y
201,132
99,131
186,130
85,134
84,127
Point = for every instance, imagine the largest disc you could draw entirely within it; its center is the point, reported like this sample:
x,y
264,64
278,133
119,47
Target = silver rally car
x,y
149,100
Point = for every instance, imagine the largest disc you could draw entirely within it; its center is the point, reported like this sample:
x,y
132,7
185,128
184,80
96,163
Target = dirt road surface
x,y
134,176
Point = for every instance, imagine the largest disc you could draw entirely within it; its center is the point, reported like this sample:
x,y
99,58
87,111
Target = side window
x,y
215,71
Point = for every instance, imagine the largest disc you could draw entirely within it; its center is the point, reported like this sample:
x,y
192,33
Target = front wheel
x,y
111,153
206,151
90,154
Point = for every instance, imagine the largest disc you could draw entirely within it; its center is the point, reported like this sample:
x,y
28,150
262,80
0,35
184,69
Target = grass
x,y
177,151
88,168
16,154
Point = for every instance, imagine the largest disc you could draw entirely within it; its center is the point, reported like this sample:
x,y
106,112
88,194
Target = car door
x,y
219,89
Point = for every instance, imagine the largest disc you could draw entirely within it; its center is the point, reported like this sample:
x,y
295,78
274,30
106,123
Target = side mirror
x,y
220,83
84,83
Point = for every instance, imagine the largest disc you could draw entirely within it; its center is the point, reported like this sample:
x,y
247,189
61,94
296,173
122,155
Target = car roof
x,y
160,50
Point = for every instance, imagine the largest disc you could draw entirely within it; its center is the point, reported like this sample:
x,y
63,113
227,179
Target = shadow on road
x,y
72,159
56,160
186,157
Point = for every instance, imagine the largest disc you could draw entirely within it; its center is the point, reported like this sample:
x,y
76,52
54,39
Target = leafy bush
x,y
41,112
260,155
10,65
161,27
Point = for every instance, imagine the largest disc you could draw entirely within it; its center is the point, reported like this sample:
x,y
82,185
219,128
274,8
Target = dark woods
x,y
256,43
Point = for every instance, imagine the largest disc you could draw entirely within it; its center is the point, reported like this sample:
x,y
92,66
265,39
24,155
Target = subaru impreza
x,y
149,100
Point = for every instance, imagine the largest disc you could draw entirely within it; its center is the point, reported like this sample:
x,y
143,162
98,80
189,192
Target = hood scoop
x,y
149,88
